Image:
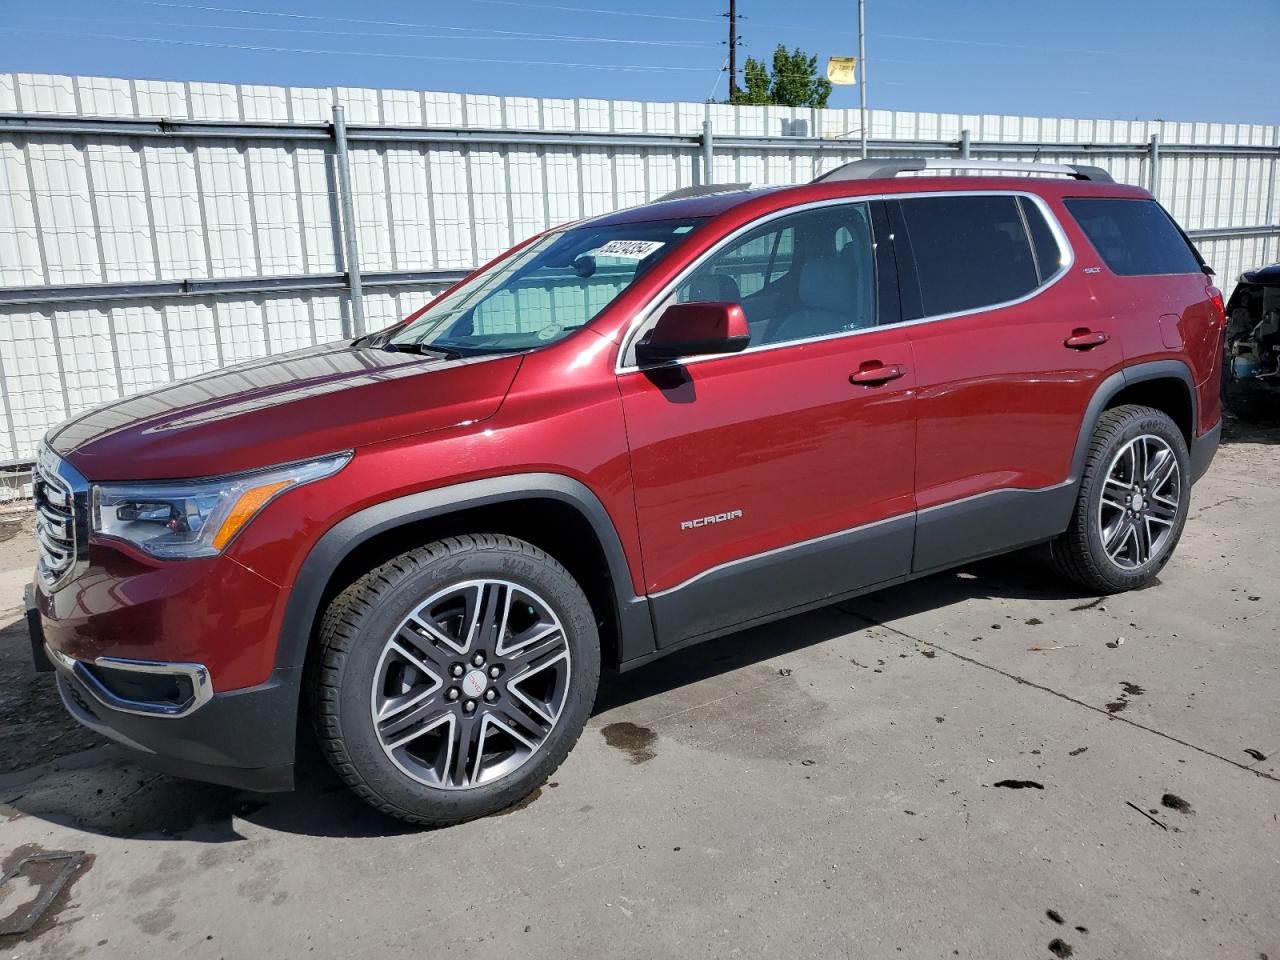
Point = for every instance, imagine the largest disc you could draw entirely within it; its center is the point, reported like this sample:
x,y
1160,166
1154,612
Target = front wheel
x,y
451,681
1132,504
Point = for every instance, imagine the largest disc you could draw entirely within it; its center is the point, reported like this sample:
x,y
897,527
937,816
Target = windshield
x,y
541,294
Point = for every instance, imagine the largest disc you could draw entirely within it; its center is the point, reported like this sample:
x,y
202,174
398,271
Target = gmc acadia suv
x,y
625,435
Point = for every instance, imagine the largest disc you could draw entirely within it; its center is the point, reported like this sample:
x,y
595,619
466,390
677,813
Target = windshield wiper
x,y
424,350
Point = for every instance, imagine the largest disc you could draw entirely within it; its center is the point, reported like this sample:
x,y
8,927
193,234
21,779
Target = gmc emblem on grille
x,y
707,521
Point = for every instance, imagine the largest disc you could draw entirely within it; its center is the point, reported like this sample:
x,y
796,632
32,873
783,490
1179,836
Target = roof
x,y
686,208
773,197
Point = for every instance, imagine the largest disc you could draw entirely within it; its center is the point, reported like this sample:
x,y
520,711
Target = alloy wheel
x,y
470,685
1140,501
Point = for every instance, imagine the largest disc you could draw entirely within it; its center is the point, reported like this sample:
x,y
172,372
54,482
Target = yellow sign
x,y
841,70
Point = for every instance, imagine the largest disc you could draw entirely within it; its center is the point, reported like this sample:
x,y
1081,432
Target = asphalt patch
x,y
634,740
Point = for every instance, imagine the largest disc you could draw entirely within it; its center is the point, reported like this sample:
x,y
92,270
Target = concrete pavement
x,y
975,765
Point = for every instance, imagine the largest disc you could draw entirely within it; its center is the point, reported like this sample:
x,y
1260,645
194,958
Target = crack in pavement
x,y
872,622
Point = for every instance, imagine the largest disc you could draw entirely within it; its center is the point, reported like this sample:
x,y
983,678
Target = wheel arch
x,y
556,513
1166,385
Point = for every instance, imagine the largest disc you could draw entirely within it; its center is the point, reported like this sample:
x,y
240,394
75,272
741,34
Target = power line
x,y
251,12
625,67
505,34
612,13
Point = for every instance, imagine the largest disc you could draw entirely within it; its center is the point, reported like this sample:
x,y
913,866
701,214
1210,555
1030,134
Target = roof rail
x,y
701,191
892,166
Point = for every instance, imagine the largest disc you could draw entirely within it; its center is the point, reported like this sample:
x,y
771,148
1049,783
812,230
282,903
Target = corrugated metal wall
x,y
106,204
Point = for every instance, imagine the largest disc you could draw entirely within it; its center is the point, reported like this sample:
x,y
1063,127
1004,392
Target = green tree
x,y
793,83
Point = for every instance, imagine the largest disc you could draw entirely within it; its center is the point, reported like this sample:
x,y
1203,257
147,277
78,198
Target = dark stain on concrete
x,y
520,804
1116,706
1090,605
1132,689
155,921
1019,784
49,919
1175,802
635,741
1060,948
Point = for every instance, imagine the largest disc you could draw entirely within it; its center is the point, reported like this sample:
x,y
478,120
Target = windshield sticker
x,y
629,249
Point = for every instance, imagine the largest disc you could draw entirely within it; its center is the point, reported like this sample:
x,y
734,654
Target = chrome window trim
x,y
640,320
196,673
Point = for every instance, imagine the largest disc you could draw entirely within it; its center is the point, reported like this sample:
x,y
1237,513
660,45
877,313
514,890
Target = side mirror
x,y
691,329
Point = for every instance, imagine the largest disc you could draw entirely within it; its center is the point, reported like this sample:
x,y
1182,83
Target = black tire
x,y
362,617
1079,553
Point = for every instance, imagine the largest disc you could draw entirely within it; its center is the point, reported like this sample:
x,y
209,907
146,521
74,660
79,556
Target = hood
x,y
283,408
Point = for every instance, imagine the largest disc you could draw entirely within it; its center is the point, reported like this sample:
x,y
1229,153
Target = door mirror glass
x,y
692,329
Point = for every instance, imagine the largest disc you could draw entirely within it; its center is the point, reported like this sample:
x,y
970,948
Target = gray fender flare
x,y
635,627
1112,385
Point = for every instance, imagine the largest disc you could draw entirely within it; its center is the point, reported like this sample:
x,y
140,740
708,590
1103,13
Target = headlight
x,y
196,518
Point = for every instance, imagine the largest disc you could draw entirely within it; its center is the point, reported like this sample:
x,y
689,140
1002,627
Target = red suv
x,y
623,436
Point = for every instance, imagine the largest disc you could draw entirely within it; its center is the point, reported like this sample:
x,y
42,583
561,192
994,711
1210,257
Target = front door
x,y
781,476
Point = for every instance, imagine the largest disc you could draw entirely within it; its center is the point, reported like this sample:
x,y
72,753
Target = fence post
x,y
1271,216
352,254
708,152
1154,163
966,146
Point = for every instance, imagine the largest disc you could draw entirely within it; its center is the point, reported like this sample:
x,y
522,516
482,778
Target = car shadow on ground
x,y
107,795
1245,431
1021,576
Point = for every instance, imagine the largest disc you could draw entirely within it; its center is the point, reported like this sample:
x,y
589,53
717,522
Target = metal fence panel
x,y
152,230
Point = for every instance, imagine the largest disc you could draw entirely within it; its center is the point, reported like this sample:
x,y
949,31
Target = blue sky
x,y
1127,59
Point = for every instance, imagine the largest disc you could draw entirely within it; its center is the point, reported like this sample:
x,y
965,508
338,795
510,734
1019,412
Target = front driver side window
x,y
805,275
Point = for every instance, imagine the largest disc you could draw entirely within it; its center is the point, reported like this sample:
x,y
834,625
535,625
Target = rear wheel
x,y
1132,504
453,679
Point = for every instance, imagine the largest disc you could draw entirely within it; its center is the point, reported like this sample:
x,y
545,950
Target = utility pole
x,y
862,70
733,49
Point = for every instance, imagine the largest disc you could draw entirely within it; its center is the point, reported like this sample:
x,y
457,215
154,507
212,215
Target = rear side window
x,y
970,251
1134,237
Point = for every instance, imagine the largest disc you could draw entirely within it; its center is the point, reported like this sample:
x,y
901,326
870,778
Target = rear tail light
x,y
1216,296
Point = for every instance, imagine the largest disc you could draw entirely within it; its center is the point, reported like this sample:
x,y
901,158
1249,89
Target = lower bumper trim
x,y
1203,450
241,738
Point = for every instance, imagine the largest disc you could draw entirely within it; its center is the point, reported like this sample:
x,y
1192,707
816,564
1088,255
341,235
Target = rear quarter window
x,y
1135,238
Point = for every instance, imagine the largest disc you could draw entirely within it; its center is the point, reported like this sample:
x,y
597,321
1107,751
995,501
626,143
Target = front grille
x,y
56,533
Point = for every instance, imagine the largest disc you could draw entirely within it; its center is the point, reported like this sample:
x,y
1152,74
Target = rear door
x,y
1152,279
1009,347
768,480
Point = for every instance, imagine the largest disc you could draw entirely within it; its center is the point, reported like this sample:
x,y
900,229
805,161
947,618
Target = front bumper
x,y
241,738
